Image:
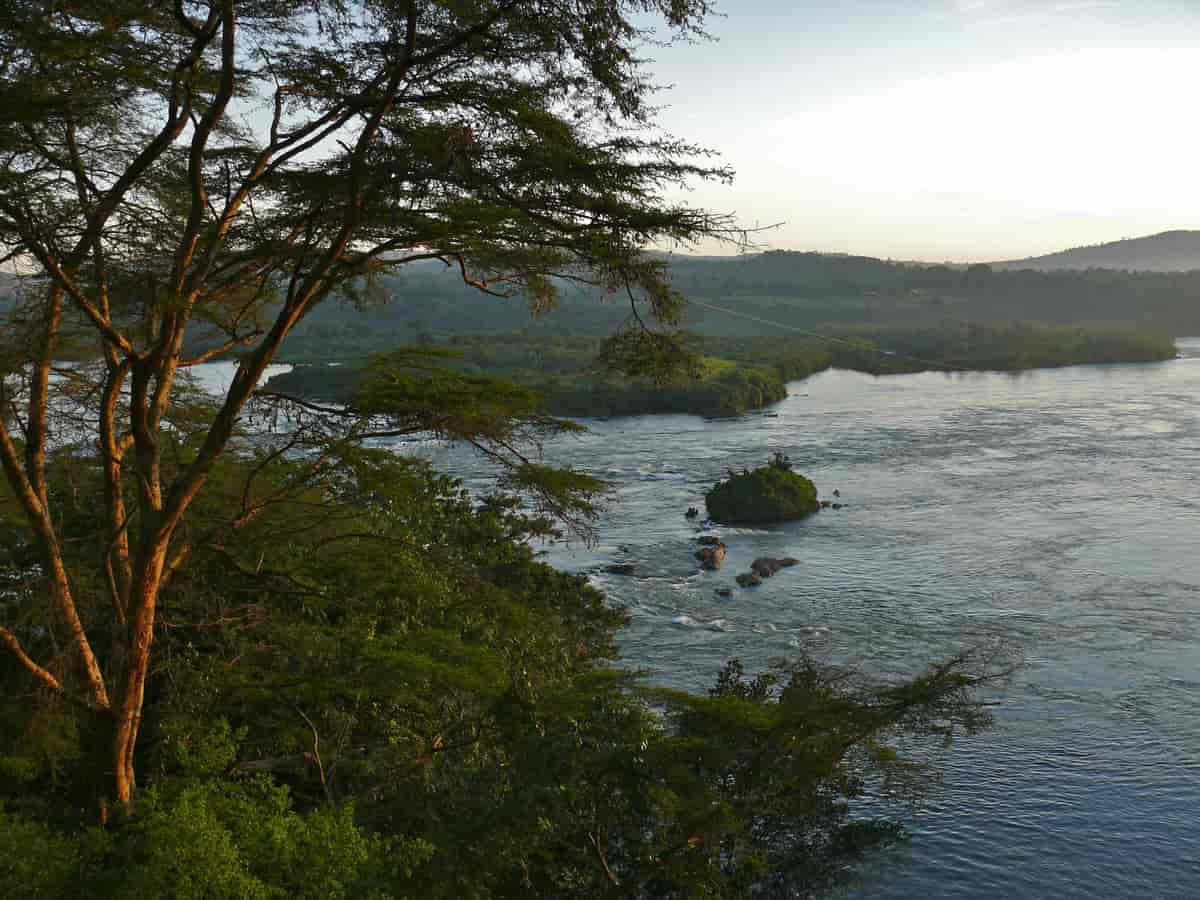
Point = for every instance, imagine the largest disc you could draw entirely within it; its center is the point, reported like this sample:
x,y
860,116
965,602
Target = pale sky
x,y
947,129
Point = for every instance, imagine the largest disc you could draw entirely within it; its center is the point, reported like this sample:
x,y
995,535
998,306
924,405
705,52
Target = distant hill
x,y
1171,251
778,293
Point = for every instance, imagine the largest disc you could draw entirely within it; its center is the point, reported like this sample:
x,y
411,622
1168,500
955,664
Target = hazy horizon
x,y
964,130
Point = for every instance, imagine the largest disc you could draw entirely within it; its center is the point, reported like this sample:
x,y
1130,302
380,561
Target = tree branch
x,y
41,674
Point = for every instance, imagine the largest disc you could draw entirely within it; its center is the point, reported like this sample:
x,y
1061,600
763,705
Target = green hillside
x,y
829,294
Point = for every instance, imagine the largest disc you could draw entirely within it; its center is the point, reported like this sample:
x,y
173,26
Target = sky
x,y
963,130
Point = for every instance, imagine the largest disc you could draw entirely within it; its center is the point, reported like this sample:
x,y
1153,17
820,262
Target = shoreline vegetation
x,y
735,375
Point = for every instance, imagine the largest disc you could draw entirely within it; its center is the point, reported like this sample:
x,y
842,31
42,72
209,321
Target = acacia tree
x,y
184,180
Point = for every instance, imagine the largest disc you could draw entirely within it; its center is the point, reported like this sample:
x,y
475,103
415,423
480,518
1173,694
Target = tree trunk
x,y
133,687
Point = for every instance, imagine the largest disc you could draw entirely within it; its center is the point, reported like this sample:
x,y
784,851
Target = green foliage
x,y
410,385
731,377
643,354
728,391
210,753
238,840
772,493
35,862
415,391
208,838
1003,347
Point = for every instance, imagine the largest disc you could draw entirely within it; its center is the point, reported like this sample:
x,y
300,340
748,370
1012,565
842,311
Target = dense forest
x,y
811,288
762,292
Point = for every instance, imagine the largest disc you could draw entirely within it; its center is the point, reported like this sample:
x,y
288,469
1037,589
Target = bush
x,y
34,861
773,493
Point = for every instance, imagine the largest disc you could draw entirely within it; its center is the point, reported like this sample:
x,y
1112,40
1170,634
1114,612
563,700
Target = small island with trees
x,y
772,493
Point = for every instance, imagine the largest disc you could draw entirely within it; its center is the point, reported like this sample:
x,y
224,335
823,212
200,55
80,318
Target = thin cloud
x,y
1007,12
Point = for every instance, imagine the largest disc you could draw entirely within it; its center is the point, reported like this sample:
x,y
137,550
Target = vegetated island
x,y
772,493
562,373
734,374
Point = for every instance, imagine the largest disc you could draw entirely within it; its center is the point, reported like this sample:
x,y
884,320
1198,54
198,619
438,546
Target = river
x,y
1054,511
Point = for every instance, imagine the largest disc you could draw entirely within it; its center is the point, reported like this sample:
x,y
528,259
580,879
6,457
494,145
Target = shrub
x,y
772,493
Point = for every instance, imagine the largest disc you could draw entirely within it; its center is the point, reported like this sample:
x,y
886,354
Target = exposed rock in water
x,y
765,566
692,512
748,579
788,561
711,555
724,592
825,504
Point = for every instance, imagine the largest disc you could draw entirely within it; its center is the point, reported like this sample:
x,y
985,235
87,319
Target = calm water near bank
x,y
1057,511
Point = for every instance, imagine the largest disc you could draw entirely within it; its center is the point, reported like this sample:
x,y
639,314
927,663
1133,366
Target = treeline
x,y
743,373
736,389
997,347
811,288
763,292
755,296
734,376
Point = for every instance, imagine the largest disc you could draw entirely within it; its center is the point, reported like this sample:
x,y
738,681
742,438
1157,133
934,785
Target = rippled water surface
x,y
1058,510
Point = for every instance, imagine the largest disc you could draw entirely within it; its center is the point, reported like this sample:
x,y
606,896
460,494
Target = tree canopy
x,y
185,180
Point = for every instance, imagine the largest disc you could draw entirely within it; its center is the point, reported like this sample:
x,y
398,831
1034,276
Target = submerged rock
x,y
765,566
621,569
724,592
748,579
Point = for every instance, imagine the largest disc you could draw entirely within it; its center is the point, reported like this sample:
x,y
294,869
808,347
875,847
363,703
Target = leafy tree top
x,y
179,181
222,154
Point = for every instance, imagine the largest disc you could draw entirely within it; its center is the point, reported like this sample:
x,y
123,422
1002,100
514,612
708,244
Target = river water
x,y
1056,512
